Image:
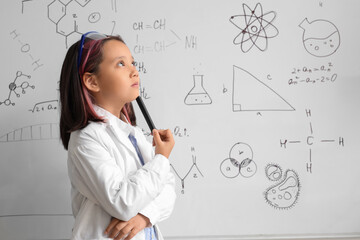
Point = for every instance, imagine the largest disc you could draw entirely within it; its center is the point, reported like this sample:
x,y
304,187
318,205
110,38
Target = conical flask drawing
x,y
197,95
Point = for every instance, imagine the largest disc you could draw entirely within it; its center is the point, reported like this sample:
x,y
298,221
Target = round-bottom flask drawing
x,y
321,38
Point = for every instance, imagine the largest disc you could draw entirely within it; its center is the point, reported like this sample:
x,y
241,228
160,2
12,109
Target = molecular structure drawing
x,y
240,161
311,141
13,87
67,22
194,169
255,27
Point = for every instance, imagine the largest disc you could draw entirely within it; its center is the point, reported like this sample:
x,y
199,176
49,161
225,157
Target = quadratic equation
x,y
313,75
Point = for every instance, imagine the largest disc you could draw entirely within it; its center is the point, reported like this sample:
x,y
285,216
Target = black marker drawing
x,y
25,48
113,27
13,87
45,106
94,17
285,193
273,172
189,42
194,169
197,95
321,38
255,27
56,10
311,75
240,161
251,94
310,141
22,5
66,15
33,132
114,5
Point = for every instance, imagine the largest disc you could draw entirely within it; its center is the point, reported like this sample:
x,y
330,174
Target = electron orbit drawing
x,y
197,95
256,28
247,89
285,193
13,87
240,161
321,38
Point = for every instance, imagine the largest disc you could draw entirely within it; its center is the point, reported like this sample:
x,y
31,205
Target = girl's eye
x,y
122,63
133,63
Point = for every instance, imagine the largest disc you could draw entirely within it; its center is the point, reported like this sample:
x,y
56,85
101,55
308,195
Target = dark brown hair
x,y
75,99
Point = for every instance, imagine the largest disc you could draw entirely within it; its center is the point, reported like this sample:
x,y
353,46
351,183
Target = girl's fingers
x,y
132,234
112,224
118,229
124,231
164,135
156,138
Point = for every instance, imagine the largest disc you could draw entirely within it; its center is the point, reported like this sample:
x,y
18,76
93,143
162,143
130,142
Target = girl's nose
x,y
134,72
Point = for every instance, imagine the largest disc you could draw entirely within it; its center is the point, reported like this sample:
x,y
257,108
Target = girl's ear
x,y
91,82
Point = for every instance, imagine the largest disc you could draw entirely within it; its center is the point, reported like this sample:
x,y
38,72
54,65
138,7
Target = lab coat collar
x,y
120,129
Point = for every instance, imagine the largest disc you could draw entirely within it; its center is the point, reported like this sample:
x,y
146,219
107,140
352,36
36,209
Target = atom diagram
x,y
255,27
13,87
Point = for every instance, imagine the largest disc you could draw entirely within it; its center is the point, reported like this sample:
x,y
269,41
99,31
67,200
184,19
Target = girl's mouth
x,y
135,85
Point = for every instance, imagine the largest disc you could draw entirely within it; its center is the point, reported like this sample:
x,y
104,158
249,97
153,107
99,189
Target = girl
x,y
120,186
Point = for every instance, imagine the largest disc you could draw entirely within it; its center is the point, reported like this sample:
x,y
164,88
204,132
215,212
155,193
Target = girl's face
x,y
117,78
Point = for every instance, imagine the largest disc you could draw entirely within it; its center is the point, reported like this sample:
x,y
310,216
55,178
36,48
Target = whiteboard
x,y
262,98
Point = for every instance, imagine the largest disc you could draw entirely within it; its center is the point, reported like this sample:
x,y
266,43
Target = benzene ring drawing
x,y
240,161
256,28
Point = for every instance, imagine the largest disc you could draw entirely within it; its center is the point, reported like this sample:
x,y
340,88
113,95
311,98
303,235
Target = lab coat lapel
x,y
146,151
120,130
113,124
122,138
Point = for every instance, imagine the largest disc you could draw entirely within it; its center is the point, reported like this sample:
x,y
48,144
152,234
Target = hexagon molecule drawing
x,y
321,38
65,15
255,27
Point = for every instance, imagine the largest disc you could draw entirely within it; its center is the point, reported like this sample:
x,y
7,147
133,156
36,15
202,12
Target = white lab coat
x,y
107,178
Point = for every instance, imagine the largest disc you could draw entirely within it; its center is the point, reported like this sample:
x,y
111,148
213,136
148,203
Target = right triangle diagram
x,y
251,94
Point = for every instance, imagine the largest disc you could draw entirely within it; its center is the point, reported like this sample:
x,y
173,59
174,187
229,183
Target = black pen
x,y
145,113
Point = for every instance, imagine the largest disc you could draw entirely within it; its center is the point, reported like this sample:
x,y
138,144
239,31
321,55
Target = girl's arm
x,y
94,172
162,206
156,211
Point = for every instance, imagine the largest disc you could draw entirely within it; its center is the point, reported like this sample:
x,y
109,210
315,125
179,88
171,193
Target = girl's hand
x,y
163,141
118,229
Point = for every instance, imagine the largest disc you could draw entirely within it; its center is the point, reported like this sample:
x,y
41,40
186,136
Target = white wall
x,y
253,109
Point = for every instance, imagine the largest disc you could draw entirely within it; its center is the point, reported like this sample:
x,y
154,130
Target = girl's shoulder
x,y
94,132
